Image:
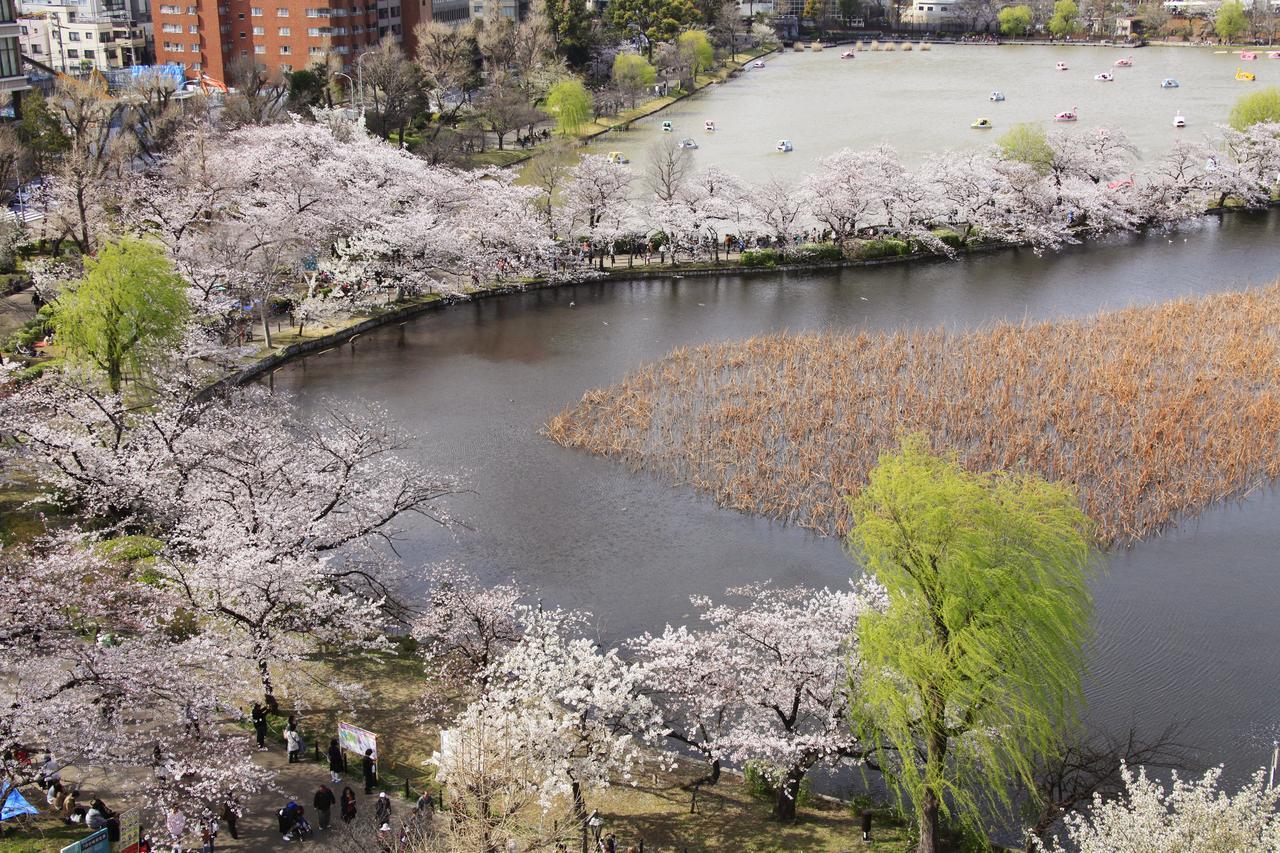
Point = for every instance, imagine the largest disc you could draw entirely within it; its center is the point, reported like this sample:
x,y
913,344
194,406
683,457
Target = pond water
x,y
923,102
1186,622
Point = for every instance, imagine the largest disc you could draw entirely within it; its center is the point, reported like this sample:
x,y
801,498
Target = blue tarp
x,y
14,804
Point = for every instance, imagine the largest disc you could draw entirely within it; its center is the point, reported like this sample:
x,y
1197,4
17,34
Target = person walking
x,y
348,805
335,761
370,771
229,817
259,715
382,812
323,801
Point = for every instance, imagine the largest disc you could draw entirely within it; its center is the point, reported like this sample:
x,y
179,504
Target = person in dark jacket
x,y
259,715
348,805
383,811
335,762
323,801
370,774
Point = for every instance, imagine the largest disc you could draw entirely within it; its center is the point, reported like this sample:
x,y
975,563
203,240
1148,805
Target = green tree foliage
x,y
1066,18
1027,143
633,74
570,25
657,20
850,9
696,51
1015,20
570,103
1256,107
41,133
129,303
1230,22
973,670
306,88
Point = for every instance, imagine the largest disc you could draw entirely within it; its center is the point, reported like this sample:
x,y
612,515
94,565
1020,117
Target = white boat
x,y
709,126
1179,121
759,63
996,96
1104,77
688,143
1168,83
1061,66
666,127
848,54
785,145
1067,115
1127,62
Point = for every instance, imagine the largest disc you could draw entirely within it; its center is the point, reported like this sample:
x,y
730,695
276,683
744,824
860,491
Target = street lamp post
x,y
350,82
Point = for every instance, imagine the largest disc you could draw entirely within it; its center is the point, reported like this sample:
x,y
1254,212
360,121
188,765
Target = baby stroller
x,y
293,822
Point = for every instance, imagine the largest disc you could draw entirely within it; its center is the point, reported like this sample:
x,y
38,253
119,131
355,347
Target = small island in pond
x,y
1151,413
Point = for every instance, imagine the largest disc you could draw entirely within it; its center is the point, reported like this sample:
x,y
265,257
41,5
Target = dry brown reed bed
x,y
1151,412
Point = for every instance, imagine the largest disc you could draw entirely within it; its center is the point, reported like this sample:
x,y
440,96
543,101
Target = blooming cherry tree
x,y
767,680
1189,814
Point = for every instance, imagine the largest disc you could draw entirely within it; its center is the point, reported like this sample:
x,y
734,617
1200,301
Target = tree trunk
x,y
580,811
784,806
268,690
266,325
929,842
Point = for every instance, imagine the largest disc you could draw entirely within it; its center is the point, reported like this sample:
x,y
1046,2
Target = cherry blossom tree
x,y
1188,814
778,208
573,714
269,523
467,626
597,200
767,680
101,668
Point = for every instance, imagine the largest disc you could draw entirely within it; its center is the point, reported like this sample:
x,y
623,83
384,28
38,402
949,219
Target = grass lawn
x,y
38,833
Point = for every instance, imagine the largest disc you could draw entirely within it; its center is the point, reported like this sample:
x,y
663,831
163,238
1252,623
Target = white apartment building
x,y
77,37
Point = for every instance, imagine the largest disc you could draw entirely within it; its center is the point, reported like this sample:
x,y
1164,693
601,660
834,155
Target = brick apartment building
x,y
205,36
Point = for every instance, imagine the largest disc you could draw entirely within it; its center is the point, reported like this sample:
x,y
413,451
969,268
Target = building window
x,y
37,49
24,30
257,11
193,28
191,10
284,31
88,54
285,50
282,12
259,48
259,31
88,36
315,50
73,53
168,10
342,48
225,29
171,28
73,36
242,16
243,34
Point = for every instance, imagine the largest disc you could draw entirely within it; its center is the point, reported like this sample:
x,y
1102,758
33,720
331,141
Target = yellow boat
x,y
982,124
617,157
1246,76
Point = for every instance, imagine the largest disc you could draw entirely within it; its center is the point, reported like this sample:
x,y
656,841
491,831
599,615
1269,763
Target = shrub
x,y
818,252
950,238
886,248
761,258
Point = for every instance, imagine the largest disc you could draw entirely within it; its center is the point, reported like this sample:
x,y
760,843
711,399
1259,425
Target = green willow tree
x,y
1015,21
570,103
1255,108
1066,18
1230,21
129,303
973,672
1027,143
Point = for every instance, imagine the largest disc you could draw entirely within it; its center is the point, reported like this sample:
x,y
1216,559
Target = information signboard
x,y
357,740
94,842
130,831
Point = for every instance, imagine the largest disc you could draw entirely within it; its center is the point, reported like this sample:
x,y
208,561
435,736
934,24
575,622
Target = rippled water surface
x,y
924,102
1186,622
